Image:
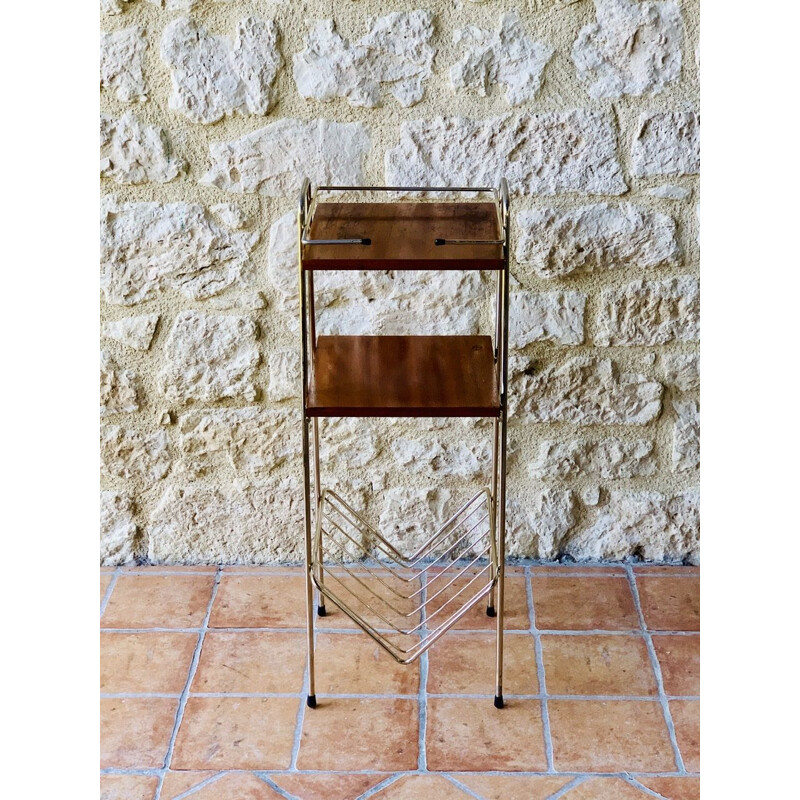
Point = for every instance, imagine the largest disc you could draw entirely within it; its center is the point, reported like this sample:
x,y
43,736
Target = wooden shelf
x,y
402,236
404,376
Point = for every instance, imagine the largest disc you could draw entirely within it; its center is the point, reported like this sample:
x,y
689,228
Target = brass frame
x,y
347,559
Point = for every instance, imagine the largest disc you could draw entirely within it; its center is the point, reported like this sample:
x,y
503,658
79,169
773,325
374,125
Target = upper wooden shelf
x,y
402,236
404,376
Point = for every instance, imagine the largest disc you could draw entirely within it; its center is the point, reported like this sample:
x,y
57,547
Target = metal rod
x,y
439,242
365,241
490,189
317,495
501,526
309,559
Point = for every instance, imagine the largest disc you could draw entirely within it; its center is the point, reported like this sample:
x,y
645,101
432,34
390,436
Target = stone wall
x,y
210,114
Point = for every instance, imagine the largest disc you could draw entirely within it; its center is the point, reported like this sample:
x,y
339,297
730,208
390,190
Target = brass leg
x,y
312,697
501,561
490,608
317,493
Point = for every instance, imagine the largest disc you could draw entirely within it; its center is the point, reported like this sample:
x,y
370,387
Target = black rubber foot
x,y
311,701
498,701
321,612
490,611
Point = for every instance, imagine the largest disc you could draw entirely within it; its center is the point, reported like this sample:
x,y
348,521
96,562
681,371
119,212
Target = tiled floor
x,y
203,675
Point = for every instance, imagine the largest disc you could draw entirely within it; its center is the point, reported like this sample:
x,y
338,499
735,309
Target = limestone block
x,y
131,152
650,312
508,56
645,524
537,527
430,455
285,379
254,440
558,242
666,143
545,153
134,332
682,372
146,248
122,64
633,48
411,516
546,317
215,76
686,435
112,6
604,458
670,191
209,357
395,52
347,442
584,391
273,160
127,453
119,388
117,529
250,524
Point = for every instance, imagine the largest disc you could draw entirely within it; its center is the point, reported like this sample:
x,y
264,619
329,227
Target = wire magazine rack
x,y
404,601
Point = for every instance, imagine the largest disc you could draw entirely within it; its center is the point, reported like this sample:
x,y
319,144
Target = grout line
x,y
388,696
460,632
658,676
110,588
645,789
197,787
154,771
569,787
457,783
382,785
185,694
537,644
301,711
263,776
422,702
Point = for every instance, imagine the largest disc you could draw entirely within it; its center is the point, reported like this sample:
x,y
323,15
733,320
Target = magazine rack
x,y
404,601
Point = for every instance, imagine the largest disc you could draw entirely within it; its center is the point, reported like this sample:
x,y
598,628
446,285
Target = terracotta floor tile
x,y
327,787
516,605
230,786
599,665
673,788
670,604
679,657
350,734
153,569
513,787
135,731
584,604
610,736
251,662
686,717
128,787
158,601
354,664
145,662
468,735
668,569
236,733
366,593
605,789
566,570
464,663
178,783
421,787
260,601
105,582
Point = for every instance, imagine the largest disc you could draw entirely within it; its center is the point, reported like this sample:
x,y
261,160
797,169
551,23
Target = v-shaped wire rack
x,y
405,602
380,589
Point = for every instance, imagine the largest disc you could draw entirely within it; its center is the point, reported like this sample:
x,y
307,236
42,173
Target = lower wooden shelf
x,y
404,376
